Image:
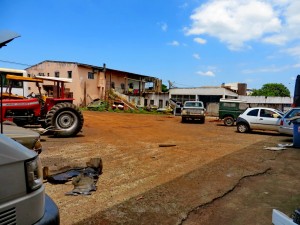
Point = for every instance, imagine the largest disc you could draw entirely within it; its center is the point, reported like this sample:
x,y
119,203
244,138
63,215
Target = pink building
x,y
93,82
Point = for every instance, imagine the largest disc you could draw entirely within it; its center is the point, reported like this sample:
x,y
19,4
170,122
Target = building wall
x,y
84,88
281,103
161,100
115,80
90,82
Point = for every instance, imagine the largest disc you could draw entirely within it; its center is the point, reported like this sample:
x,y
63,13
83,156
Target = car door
x,y
268,119
252,118
286,125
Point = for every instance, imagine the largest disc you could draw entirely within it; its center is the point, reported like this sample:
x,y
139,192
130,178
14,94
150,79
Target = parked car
x,y
259,118
285,126
193,110
22,193
26,137
230,109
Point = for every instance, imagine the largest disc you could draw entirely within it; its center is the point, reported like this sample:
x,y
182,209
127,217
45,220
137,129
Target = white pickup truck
x,y
22,193
193,110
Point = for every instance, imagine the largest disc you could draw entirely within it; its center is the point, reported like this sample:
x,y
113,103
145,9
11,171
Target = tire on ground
x,y
202,121
228,121
242,128
66,117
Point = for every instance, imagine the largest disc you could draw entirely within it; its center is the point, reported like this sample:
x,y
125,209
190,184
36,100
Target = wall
x,y
281,103
49,69
84,89
164,96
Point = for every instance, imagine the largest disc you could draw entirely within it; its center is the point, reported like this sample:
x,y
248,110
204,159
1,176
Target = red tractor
x,y
55,111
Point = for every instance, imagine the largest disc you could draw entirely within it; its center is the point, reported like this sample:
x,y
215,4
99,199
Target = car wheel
x,y
228,121
242,128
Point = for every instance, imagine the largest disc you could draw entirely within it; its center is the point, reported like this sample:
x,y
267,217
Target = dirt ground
x,y
211,174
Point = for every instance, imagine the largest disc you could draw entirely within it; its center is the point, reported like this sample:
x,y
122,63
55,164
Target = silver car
x,y
285,126
258,118
26,137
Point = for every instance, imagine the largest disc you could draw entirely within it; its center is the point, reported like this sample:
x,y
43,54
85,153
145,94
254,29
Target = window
x,y
151,102
70,74
266,113
253,112
113,85
160,103
90,75
56,74
122,86
229,104
149,85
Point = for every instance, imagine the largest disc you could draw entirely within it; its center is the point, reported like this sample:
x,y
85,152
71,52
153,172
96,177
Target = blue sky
x,y
192,43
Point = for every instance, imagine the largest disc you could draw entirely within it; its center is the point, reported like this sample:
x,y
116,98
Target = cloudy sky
x,y
191,43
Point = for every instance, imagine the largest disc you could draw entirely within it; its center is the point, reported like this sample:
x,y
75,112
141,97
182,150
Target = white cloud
x,y
163,26
236,22
296,65
196,56
207,73
270,69
174,43
184,5
200,40
294,51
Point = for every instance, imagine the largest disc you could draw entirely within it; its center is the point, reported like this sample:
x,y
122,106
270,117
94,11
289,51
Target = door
x,y
268,120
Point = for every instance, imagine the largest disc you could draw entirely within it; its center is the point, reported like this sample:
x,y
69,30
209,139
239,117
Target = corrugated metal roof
x,y
89,66
202,91
267,99
68,62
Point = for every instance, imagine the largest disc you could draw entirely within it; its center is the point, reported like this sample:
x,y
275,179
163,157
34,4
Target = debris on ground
x,y
166,145
279,147
84,183
275,148
84,179
286,145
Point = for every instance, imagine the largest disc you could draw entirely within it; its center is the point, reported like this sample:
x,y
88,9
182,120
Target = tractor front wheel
x,y
65,118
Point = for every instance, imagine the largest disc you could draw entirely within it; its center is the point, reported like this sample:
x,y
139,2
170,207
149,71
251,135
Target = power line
x,y
16,63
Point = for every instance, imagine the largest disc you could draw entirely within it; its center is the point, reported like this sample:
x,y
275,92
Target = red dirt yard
x,y
211,174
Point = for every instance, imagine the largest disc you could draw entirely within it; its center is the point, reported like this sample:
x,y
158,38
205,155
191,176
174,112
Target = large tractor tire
x,y
66,119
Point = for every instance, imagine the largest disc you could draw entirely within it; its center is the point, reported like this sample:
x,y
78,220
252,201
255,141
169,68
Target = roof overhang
x,y
7,36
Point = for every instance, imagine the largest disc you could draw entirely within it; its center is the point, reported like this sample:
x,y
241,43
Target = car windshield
x,y
193,104
292,113
279,112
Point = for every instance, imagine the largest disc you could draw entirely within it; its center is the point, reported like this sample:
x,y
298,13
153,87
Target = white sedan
x,y
258,118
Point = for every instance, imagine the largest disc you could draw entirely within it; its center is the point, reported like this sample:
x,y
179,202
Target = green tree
x,y
272,89
164,88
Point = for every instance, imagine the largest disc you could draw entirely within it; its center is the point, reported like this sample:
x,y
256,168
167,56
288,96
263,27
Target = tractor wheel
x,y
66,118
228,121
